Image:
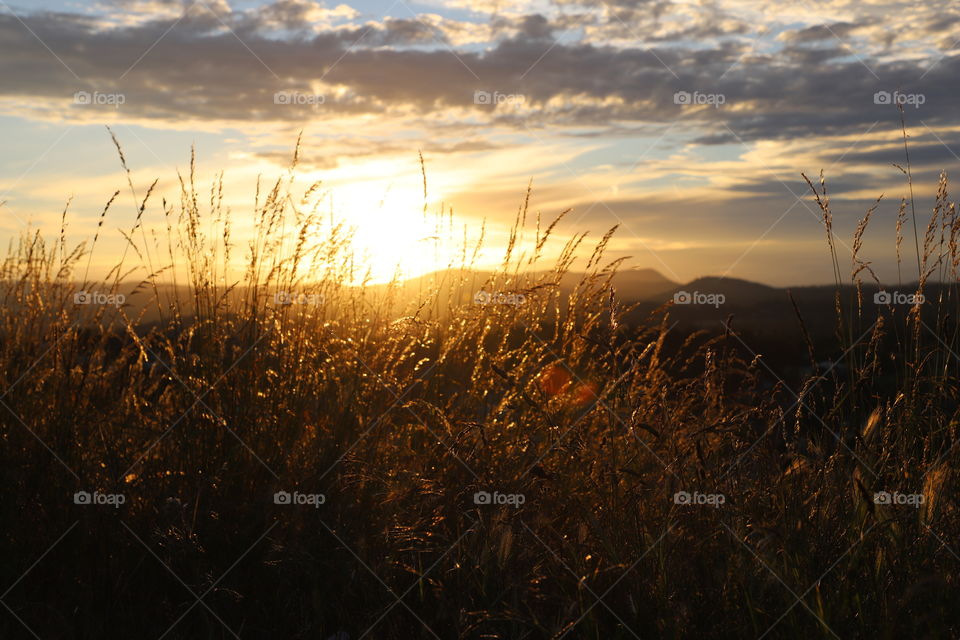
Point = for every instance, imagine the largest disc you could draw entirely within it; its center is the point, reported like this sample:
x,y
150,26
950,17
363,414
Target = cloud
x,y
298,15
820,32
355,148
226,66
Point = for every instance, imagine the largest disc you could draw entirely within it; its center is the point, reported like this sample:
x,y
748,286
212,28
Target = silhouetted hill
x,y
763,315
732,288
630,284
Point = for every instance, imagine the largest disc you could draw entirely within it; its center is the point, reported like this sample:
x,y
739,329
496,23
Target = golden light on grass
x,y
224,399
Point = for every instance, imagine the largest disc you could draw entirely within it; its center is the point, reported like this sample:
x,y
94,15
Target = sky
x,y
687,124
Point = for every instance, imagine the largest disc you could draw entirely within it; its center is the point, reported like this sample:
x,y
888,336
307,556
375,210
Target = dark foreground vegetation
x,y
496,470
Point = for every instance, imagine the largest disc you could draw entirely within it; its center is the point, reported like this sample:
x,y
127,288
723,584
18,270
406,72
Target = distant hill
x,y
703,303
732,289
630,284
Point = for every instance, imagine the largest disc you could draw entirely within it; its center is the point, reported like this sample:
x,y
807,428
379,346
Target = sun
x,y
396,240
395,231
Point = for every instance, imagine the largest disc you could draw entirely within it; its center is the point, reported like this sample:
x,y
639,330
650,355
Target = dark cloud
x,y
535,26
198,69
290,14
629,4
133,4
925,152
356,148
785,188
805,56
394,32
942,23
816,33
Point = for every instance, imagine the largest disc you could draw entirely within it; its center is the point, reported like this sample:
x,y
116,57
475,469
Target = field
x,y
277,453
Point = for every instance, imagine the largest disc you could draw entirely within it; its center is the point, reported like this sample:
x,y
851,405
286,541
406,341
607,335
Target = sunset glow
x,y
629,114
479,319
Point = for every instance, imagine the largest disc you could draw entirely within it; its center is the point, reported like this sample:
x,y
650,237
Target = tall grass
x,y
399,408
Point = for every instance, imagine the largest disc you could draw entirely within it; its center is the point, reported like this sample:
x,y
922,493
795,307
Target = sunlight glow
x,y
394,237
